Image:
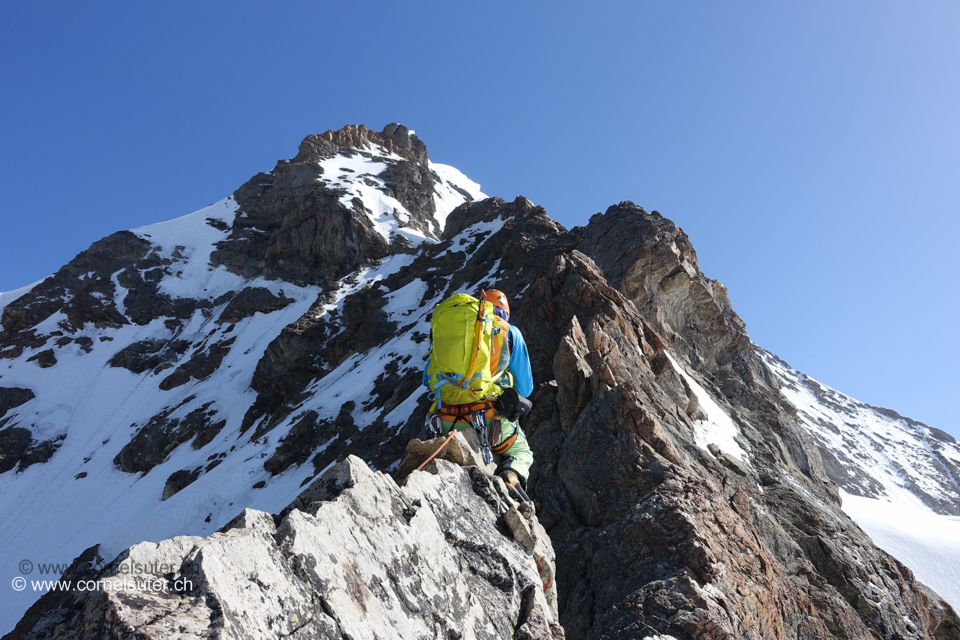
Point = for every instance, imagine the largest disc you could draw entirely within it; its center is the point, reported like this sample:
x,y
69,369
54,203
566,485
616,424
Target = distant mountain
x,y
172,376
873,452
899,478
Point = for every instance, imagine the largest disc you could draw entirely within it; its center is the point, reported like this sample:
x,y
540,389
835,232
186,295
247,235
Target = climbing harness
x,y
474,414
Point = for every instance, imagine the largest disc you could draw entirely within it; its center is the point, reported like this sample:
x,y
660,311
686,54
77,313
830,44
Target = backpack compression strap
x,y
465,383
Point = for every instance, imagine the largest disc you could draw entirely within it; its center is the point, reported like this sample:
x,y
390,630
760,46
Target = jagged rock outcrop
x,y
146,355
18,448
355,556
250,301
652,262
13,397
81,288
155,440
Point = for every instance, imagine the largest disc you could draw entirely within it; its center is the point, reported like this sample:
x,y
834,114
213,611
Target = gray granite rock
x,y
366,560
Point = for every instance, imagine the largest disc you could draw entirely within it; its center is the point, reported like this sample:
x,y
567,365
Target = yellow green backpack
x,y
469,351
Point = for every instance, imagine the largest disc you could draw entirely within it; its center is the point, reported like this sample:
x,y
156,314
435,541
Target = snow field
x,y
897,455
446,197
99,408
926,542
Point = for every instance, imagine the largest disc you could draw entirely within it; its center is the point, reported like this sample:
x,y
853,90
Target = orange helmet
x,y
500,305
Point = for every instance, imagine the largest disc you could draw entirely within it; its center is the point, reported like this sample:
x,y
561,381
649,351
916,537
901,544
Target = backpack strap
x,y
478,331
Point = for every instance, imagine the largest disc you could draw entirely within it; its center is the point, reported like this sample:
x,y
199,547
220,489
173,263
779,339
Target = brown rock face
x,y
651,261
654,535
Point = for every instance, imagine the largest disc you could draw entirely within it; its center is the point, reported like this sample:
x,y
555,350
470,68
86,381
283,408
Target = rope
x,y
449,437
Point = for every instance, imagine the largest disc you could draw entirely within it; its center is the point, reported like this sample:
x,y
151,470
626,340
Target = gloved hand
x,y
511,405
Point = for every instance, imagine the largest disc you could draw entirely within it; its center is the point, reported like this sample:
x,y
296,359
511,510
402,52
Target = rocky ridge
x,y
355,556
682,496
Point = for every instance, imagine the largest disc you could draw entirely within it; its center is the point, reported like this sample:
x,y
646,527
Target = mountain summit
x,y
170,377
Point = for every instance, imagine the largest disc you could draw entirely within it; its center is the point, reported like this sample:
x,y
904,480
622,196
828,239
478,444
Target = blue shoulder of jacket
x,y
520,363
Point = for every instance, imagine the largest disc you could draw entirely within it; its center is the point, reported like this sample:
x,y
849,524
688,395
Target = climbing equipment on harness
x,y
482,416
479,423
474,414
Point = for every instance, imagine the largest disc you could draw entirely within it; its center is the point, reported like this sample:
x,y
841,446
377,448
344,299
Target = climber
x,y
493,399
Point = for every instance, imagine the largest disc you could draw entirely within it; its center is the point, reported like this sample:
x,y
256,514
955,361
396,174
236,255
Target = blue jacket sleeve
x,y
425,380
520,363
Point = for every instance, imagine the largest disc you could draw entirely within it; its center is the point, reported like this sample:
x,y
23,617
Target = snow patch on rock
x,y
718,428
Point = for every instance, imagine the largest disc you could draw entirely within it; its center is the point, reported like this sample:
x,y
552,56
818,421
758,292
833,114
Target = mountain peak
x,y
179,373
395,138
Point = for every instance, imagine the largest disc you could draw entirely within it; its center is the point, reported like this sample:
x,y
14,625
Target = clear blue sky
x,y
811,149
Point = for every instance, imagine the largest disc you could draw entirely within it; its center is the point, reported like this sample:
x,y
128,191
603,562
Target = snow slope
x,y
357,176
717,428
926,542
872,452
898,477
55,510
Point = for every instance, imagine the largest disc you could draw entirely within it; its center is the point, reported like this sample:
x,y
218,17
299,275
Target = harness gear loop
x,y
479,421
432,425
478,415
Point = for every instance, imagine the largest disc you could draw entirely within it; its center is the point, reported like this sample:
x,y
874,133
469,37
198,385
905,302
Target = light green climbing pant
x,y
518,457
